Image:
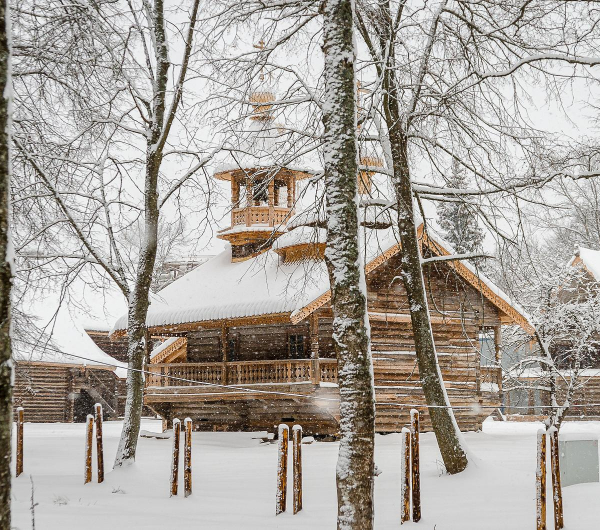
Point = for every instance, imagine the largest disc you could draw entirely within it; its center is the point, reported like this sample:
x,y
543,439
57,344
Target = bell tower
x,y
263,192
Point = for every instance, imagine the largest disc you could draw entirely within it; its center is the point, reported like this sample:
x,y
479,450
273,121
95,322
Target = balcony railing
x,y
243,373
260,215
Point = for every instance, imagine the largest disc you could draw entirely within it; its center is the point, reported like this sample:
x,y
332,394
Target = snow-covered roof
x,y
220,289
163,346
301,235
590,259
265,285
260,144
59,334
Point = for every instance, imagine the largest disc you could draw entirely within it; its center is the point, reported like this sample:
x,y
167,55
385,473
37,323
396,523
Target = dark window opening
x,y
296,346
232,349
260,193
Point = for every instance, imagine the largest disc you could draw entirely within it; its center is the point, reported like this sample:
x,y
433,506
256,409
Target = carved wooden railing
x,y
260,215
243,373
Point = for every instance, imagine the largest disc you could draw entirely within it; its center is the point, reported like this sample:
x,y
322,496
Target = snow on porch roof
x,y
264,285
590,259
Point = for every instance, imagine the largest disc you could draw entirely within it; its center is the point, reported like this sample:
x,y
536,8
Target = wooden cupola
x,y
262,192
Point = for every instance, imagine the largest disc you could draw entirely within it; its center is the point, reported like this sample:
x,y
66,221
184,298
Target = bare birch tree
x,y
5,276
101,169
346,271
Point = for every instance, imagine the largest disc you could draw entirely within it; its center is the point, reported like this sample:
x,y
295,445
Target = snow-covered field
x,y
234,484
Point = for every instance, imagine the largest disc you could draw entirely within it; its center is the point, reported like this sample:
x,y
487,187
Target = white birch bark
x,y
346,272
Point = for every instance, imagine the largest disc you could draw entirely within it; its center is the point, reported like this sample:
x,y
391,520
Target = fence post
x,y
89,435
187,458
20,414
405,475
556,487
540,480
99,444
175,461
297,466
416,473
282,458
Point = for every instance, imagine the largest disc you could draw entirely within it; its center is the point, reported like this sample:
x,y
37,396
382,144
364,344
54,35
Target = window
x,y
296,346
487,346
260,193
232,349
281,193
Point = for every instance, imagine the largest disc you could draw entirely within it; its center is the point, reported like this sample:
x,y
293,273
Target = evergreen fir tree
x,y
457,219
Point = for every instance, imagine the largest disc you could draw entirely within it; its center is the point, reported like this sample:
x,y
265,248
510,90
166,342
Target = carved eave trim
x,y
302,251
177,329
172,352
241,173
326,297
510,314
311,308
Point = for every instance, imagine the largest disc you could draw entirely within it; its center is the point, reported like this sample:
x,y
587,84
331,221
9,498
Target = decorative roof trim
x,y
171,352
513,316
245,172
175,329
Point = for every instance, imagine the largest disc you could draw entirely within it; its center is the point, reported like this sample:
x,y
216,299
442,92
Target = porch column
x,y
249,200
272,202
315,369
498,357
224,377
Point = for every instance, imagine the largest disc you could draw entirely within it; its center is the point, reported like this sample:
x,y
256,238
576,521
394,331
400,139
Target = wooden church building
x,y
248,334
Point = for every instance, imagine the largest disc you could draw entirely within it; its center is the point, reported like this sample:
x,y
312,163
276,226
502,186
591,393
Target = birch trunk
x,y
138,308
442,417
5,276
346,272
397,124
139,300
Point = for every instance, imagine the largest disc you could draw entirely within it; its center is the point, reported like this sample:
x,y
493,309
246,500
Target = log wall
x,y
48,392
458,314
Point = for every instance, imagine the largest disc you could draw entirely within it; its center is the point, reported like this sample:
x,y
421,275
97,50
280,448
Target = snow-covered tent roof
x,y
590,259
59,335
264,285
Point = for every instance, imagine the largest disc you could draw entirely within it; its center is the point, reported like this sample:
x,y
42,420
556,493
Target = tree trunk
x,y
397,124
442,417
5,277
140,300
138,311
346,273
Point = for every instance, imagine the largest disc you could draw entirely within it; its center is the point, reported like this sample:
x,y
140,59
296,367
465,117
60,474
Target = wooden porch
x,y
289,371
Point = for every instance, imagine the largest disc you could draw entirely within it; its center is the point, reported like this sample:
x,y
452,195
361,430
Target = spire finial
x,y
262,97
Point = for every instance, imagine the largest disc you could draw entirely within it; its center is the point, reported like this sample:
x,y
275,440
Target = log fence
x,y
19,463
540,479
410,474
175,461
89,436
556,486
282,465
99,442
416,470
187,458
297,466
405,475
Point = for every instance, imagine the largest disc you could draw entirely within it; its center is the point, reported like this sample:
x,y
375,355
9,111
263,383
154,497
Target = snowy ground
x,y
234,484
